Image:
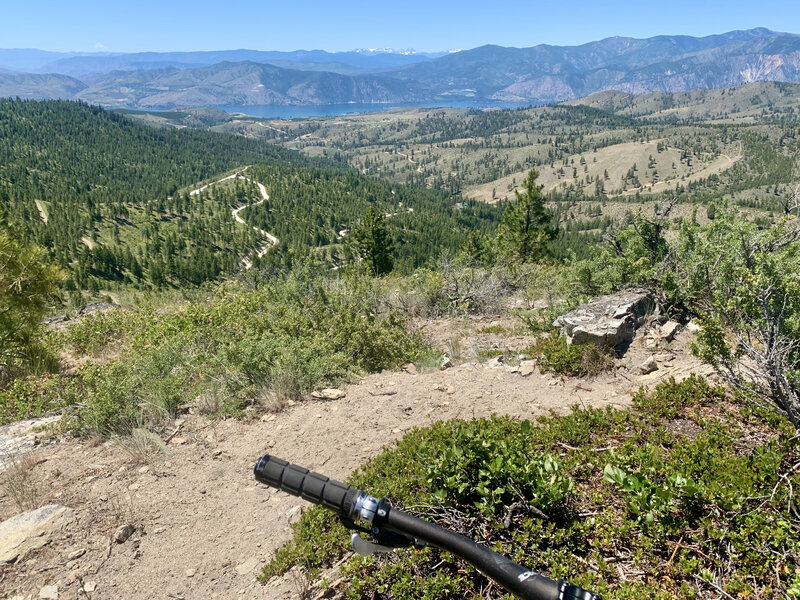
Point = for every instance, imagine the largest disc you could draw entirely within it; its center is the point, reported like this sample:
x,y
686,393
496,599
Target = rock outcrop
x,y
608,320
31,530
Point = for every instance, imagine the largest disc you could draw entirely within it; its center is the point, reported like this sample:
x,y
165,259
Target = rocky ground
x,y
194,524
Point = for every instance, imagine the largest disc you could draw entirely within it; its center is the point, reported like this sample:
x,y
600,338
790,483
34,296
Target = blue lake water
x,y
270,111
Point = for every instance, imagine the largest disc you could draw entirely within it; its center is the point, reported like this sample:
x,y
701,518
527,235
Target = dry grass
x,y
209,402
143,445
23,486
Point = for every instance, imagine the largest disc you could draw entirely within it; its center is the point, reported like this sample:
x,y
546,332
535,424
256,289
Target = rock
x,y
693,327
383,392
89,586
76,553
123,532
669,329
496,362
49,592
95,307
648,366
31,530
527,367
191,572
293,514
178,441
247,566
328,394
410,368
17,438
607,320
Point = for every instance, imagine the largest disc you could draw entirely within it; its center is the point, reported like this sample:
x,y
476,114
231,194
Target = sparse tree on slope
x,y
372,243
527,224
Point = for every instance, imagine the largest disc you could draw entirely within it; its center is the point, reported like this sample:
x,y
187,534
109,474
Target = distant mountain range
x,y
540,74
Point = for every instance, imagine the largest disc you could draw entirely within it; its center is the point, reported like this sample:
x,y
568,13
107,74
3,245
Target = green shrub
x,y
575,360
265,346
618,490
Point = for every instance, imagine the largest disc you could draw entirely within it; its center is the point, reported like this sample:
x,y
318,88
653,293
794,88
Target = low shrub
x,y
621,502
243,347
575,360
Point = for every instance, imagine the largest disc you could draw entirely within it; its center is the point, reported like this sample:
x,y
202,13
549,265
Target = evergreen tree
x,y
371,242
27,283
527,224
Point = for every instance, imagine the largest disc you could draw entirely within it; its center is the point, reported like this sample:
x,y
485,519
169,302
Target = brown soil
x,y
204,527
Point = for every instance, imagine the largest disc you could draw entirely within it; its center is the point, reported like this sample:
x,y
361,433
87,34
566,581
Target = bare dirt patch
x,y
203,527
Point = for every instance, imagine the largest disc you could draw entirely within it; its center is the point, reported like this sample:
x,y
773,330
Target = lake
x,y
269,111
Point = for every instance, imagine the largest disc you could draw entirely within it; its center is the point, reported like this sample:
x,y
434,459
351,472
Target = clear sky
x,y
168,25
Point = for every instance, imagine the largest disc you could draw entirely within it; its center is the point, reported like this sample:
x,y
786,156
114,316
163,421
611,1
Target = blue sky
x,y
165,25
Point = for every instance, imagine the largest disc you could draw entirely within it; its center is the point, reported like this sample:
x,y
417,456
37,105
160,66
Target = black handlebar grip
x,y
310,486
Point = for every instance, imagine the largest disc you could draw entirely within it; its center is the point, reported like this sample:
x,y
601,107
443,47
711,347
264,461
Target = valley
x,y
375,296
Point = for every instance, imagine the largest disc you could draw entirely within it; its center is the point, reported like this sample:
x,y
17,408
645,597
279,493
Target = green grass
x,y
680,492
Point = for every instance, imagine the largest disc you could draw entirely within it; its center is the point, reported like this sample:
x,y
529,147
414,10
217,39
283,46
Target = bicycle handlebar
x,y
352,504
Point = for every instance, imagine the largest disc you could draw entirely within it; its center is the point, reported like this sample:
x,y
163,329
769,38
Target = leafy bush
x,y
556,356
740,279
634,505
270,344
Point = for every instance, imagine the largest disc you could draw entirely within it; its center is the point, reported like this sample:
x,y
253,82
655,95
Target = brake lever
x,y
366,548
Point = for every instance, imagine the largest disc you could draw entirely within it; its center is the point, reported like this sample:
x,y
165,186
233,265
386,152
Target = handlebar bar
x,y
403,529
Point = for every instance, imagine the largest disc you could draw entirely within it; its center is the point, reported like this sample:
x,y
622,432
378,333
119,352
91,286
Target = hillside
x,y
241,83
109,198
39,87
545,74
759,101
612,148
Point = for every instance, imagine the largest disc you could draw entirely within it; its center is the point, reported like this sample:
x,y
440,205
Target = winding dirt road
x,y
260,250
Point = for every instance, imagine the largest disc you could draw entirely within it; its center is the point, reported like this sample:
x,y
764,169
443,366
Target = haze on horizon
x,y
148,25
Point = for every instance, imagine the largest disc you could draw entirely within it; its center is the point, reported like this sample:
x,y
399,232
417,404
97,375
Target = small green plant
x,y
649,500
556,356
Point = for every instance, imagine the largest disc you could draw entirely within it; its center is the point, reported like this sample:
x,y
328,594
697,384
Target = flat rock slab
x,y
17,438
328,394
607,320
31,530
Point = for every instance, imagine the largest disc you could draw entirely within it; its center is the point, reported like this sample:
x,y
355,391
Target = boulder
x,y
609,320
669,329
648,366
31,530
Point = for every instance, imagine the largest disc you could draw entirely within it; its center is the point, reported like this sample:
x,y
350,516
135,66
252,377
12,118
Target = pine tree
x,y
27,284
371,242
527,224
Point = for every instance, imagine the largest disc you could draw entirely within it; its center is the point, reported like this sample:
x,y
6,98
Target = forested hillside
x,y
108,198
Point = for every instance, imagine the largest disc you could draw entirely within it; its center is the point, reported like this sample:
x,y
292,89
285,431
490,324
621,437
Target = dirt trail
x,y
273,241
204,527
